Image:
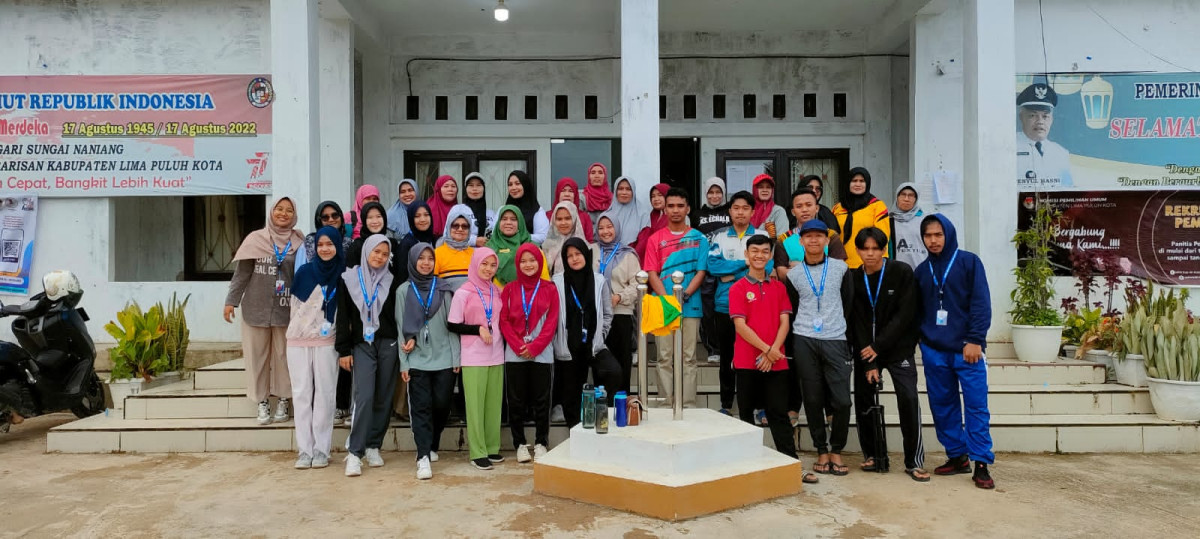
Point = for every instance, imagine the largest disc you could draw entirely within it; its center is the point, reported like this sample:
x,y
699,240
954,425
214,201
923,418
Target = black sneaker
x,y
982,478
956,465
482,463
496,459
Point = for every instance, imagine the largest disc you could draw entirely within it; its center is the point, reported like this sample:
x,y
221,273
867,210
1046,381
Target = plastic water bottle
x,y
601,411
587,407
620,410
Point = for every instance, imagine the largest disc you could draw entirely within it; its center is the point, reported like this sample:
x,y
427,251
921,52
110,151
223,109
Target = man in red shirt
x,y
759,308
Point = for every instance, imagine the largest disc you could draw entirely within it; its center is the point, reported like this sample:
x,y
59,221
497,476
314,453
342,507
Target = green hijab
x,y
506,246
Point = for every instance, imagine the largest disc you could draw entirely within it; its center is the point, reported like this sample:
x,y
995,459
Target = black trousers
x,y
709,332
724,337
908,404
528,392
825,364
429,396
770,388
573,374
621,346
345,382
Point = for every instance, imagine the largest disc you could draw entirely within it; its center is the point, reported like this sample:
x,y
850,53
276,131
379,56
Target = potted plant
x,y
1076,323
149,350
1036,326
1097,344
1136,336
1174,367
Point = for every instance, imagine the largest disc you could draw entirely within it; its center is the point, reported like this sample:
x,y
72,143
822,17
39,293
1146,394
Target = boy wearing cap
x,y
1040,162
822,353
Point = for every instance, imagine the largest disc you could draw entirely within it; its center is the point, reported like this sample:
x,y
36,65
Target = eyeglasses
x,y
330,216
457,226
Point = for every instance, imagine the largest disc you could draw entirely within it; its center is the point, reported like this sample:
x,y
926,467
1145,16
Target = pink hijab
x,y
584,220
363,192
439,207
600,197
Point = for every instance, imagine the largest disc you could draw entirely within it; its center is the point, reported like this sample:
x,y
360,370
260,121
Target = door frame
x,y
470,160
781,157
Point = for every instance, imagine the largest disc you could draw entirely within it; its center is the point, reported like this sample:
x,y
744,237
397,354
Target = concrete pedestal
x,y
706,463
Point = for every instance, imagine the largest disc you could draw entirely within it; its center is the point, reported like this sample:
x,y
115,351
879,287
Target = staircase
x,y
1061,406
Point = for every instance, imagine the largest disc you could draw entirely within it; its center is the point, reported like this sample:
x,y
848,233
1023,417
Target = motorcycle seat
x,y
22,309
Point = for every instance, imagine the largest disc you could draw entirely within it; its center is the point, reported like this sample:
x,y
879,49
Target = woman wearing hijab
x,y
456,246
860,210
567,191
528,321
312,361
444,197
398,213
565,226
328,214
366,345
714,213
814,182
522,195
374,221
420,230
261,283
585,302
474,197
365,194
906,243
510,234
619,265
657,219
429,357
596,194
768,215
475,317
626,210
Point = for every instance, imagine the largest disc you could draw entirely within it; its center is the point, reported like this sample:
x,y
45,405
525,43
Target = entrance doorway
x,y
679,165
788,167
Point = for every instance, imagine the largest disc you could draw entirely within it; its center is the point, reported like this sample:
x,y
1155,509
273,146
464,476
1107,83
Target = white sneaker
x,y
433,456
339,416
374,459
264,413
353,466
523,453
714,359
304,462
320,461
539,451
424,469
557,415
282,411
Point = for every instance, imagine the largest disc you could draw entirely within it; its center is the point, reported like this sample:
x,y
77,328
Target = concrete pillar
x,y
337,111
877,114
295,143
639,95
989,65
935,104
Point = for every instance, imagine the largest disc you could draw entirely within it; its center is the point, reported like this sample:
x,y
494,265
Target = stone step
x,y
1028,433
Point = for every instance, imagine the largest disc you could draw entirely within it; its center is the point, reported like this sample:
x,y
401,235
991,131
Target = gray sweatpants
x,y
374,373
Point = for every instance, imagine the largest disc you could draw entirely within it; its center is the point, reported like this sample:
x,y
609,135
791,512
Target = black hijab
x,y
581,285
414,236
852,202
528,202
355,251
478,205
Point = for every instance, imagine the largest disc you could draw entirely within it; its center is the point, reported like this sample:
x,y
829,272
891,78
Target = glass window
x,y
571,158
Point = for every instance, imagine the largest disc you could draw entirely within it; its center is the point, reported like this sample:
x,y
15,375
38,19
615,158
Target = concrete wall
x,y
111,37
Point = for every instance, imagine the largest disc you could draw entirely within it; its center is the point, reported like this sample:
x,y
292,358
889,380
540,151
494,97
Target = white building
x,y
371,91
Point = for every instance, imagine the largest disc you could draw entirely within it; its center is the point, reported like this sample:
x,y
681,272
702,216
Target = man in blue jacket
x,y
956,313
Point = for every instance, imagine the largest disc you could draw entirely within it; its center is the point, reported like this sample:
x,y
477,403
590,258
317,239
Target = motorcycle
x,y
53,367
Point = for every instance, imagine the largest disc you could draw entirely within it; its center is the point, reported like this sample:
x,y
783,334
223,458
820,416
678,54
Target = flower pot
x,y
1069,351
119,389
1103,357
1037,343
1175,401
1131,370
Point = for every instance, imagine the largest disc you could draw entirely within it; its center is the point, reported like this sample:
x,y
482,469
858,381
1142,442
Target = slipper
x,y
839,469
912,472
868,465
761,416
809,478
822,468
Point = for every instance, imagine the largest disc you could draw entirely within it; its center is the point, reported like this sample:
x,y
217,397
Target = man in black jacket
x,y
884,336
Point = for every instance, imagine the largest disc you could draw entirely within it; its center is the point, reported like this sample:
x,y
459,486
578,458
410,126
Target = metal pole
x,y
642,368
677,359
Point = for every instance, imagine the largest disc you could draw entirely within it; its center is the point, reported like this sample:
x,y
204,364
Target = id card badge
x,y
818,324
528,339
326,328
942,316
425,334
585,335
369,335
279,287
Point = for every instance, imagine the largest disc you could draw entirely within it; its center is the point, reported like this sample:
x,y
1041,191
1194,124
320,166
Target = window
x,y
213,229
425,167
572,157
788,167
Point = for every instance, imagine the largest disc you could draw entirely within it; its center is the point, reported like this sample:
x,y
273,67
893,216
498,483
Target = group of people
x,y
515,308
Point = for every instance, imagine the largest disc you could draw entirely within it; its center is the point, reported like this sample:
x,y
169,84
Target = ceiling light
x,y
501,12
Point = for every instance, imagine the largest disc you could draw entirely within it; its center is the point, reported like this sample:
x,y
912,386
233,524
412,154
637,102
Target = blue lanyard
x,y
942,285
576,298
368,302
487,307
328,292
425,305
280,256
528,307
824,272
607,259
874,298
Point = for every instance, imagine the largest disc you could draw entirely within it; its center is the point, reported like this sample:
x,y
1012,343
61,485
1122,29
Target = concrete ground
x,y
249,494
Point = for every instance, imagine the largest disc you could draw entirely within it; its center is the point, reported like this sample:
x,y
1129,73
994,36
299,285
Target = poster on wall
x,y
140,135
1116,154
18,224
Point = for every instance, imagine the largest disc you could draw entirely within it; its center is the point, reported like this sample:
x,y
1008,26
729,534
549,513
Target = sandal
x,y
918,474
839,469
822,468
809,478
868,465
761,416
